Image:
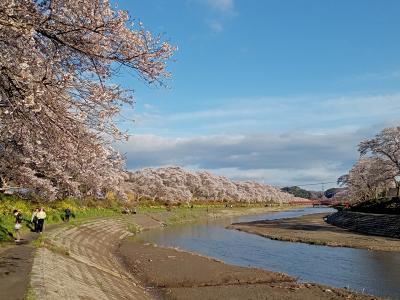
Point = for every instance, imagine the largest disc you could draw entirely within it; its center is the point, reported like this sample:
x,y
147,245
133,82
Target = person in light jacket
x,y
41,215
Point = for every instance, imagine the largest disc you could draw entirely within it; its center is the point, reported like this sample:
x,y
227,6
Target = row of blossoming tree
x,y
58,102
378,168
176,185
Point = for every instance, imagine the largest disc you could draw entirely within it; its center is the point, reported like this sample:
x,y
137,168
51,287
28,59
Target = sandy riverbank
x,y
312,229
173,274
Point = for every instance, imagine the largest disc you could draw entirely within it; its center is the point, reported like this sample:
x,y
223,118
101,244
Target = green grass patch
x,y
30,295
87,208
183,215
55,212
134,228
43,242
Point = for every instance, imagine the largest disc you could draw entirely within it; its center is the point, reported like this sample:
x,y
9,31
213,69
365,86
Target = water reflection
x,y
373,272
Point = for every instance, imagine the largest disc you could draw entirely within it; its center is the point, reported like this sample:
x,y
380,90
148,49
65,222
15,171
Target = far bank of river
x,y
372,272
313,229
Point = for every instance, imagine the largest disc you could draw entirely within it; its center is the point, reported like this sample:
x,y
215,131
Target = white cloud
x,y
285,177
280,140
372,76
149,106
280,159
216,26
218,13
313,114
224,6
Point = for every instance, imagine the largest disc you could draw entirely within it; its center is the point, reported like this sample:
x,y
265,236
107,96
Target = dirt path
x,y
79,262
312,229
15,265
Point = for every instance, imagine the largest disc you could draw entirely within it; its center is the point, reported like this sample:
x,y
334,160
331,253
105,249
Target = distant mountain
x,y
332,193
297,192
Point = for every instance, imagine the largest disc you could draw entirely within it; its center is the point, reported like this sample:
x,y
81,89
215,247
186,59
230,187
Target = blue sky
x,y
279,91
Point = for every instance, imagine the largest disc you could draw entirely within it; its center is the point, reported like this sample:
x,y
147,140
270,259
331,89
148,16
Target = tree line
x,y
176,185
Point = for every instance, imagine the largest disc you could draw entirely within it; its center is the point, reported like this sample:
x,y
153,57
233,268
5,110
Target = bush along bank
x,y
379,206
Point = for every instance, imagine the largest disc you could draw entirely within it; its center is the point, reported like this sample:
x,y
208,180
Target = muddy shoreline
x,y
168,273
312,229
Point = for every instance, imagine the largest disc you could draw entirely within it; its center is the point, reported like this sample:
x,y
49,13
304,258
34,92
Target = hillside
x,y
174,184
297,191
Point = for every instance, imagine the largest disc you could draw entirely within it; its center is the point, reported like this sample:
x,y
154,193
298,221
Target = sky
x,y
277,91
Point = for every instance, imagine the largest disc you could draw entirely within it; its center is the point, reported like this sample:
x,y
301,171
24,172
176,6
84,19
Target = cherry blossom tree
x,y
58,102
176,185
369,177
385,146
377,169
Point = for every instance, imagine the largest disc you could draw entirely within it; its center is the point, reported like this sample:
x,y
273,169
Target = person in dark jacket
x,y
67,214
34,219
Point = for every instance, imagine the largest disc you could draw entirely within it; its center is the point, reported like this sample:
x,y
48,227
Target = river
x,y
372,272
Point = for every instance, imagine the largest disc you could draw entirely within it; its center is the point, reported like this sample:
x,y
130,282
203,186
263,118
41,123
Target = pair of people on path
x,y
37,219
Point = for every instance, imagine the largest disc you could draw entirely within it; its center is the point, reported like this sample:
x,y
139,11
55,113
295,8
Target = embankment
x,y
367,223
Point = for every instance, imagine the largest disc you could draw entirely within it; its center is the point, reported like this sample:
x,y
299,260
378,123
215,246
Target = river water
x,y
372,272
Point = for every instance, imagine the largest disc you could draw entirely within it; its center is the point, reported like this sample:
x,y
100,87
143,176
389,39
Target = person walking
x,y
34,219
41,215
18,225
67,214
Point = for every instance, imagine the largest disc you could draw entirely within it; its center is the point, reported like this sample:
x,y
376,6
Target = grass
x,y
134,228
183,215
83,209
200,212
54,248
30,295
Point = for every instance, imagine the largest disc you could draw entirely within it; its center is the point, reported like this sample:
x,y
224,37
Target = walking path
x,y
15,265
